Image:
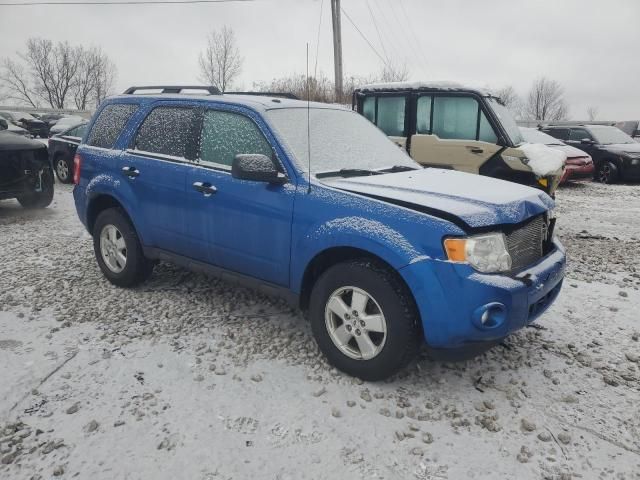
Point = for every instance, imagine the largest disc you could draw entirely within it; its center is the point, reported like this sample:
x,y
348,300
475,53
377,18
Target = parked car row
x,y
36,125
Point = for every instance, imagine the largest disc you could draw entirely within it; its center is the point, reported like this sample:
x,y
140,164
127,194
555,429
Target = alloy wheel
x,y
113,248
355,323
62,169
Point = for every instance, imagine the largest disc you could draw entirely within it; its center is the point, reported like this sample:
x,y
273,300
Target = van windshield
x,y
340,140
506,119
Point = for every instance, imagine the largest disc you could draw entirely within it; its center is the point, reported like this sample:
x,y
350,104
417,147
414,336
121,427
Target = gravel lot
x,y
193,378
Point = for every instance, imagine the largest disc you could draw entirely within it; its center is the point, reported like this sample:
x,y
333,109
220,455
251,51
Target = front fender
x,y
356,232
108,185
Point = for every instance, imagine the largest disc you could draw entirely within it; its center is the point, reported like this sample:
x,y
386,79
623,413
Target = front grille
x,y
526,243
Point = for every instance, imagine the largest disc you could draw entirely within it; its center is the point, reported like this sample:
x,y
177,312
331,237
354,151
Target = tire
x,y
608,172
393,349
64,169
119,237
43,198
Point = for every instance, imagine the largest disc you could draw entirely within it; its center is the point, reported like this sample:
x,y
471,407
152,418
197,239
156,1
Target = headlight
x,y
486,253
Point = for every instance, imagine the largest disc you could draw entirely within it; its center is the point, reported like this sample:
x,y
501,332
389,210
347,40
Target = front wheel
x,y
118,249
608,172
364,319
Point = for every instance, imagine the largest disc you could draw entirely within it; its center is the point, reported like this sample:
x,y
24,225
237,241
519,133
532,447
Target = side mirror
x,y
256,167
3,124
586,141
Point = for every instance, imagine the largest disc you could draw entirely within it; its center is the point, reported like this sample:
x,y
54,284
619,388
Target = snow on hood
x,y
570,151
476,200
542,159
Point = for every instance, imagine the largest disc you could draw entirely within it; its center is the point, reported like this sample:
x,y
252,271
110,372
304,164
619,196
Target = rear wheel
x,y
364,319
63,169
118,249
43,196
608,172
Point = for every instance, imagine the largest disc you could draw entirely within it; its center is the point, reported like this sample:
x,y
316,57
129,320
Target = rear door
x,y
245,226
155,166
452,131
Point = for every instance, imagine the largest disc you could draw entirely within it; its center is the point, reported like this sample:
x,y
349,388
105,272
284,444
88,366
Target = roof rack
x,y
174,89
288,95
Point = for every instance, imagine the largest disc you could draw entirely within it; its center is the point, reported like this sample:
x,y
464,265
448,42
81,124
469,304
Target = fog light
x,y
489,316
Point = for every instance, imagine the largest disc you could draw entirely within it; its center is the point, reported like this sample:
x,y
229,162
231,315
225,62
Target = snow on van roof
x,y
435,85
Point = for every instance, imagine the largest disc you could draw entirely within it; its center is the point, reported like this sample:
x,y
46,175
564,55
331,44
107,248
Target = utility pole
x,y
337,47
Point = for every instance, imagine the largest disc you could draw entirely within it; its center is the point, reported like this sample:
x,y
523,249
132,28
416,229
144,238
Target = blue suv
x,y
314,203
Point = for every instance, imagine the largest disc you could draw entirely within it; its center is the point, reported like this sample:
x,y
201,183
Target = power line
x,y
418,43
120,2
375,24
362,35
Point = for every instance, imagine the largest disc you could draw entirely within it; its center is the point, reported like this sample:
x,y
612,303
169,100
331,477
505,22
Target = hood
x,y
470,201
11,142
622,147
570,152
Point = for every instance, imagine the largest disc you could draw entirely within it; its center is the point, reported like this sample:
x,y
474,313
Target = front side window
x,y
225,135
486,133
107,127
167,131
455,118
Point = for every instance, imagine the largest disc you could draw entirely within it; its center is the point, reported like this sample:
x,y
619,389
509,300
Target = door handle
x,y
475,149
205,188
130,171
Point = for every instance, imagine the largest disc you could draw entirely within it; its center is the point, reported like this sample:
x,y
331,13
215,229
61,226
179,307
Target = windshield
x,y
609,135
533,135
507,121
340,139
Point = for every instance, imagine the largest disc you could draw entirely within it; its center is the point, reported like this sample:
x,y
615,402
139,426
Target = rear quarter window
x,y
110,122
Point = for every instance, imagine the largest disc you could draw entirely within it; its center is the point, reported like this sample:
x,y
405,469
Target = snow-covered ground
x,y
189,377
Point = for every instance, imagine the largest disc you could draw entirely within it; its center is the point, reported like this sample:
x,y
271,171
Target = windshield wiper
x,y
398,168
348,172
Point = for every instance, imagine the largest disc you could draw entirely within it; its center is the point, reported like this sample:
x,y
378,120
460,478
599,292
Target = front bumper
x,y
451,298
578,172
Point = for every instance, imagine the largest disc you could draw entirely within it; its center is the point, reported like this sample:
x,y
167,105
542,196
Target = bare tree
x,y
17,82
592,113
392,72
546,101
510,99
95,77
220,62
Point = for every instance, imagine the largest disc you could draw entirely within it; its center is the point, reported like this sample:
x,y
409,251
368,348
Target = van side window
x,y
455,117
225,135
369,109
561,133
423,120
391,115
107,127
167,131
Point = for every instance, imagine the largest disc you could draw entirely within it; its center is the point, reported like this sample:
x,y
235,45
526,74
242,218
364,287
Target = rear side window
x,y
78,131
578,134
225,135
561,133
387,112
167,131
109,124
423,120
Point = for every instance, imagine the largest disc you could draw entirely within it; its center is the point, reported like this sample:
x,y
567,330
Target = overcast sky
x,y
590,46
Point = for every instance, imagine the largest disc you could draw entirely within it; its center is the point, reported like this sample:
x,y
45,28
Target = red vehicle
x,y
579,166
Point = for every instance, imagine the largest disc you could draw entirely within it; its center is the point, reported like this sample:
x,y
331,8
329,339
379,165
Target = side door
x,y
155,166
389,113
244,225
452,131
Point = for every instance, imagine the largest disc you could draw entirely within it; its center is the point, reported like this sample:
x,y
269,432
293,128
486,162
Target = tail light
x,y
77,165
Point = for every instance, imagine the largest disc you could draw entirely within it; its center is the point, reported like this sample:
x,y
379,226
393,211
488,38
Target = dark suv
x,y
615,154
380,252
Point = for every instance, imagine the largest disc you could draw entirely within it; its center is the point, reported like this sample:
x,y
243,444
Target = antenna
x,y
308,121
